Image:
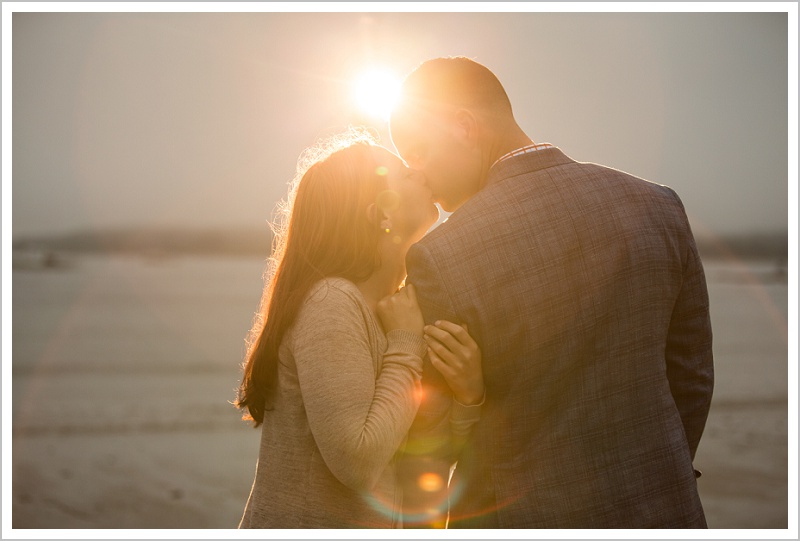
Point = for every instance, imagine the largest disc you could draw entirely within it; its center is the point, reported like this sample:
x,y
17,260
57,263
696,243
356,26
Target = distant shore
x,y
166,242
152,242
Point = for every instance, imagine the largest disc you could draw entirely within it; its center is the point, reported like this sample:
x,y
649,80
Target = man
x,y
583,287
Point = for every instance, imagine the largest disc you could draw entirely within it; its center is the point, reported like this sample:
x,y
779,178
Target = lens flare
x,y
430,482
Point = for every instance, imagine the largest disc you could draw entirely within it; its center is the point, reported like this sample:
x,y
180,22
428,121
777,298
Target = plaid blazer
x,y
584,289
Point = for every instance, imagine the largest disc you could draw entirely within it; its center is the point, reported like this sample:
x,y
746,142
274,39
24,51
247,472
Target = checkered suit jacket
x,y
583,287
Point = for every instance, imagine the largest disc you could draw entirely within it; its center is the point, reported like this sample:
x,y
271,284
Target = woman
x,y
335,357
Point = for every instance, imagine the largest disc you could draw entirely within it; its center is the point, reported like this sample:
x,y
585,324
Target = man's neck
x,y
514,140
509,140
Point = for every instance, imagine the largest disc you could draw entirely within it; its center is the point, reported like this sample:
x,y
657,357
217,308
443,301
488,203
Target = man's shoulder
x,y
569,177
550,186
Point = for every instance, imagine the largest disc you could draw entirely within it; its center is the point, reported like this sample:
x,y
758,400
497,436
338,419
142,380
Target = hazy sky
x,y
197,119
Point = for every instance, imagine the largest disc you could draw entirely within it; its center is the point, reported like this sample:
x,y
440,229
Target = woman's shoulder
x,y
335,283
332,290
331,304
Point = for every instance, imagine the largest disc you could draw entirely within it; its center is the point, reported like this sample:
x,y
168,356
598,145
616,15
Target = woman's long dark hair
x,y
322,230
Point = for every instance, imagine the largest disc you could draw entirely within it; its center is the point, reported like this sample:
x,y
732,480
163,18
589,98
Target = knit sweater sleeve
x,y
358,417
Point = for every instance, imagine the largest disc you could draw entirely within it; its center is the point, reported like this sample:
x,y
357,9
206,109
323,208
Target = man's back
x,y
583,288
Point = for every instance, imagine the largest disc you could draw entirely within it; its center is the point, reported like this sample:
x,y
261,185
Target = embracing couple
x,y
540,360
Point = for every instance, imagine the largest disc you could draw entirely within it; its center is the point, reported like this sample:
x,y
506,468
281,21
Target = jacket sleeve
x,y
441,426
358,418
431,429
689,358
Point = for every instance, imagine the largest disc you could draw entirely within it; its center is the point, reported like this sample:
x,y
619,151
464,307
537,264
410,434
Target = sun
x,y
376,92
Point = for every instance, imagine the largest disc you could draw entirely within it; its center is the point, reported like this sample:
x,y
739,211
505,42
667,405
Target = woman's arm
x,y
358,418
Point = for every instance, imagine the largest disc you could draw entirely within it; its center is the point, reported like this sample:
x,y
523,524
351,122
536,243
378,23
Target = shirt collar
x,y
524,150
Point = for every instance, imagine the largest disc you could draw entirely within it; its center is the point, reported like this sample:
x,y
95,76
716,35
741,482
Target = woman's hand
x,y
457,357
401,311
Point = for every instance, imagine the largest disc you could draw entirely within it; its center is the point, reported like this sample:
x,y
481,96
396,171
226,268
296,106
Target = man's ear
x,y
466,126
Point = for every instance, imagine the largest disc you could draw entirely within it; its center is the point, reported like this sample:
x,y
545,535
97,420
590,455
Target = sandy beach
x,y
123,369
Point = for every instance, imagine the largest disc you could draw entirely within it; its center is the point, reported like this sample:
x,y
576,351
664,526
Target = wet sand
x,y
123,370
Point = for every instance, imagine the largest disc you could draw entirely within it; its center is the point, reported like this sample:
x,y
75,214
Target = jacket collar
x,y
527,163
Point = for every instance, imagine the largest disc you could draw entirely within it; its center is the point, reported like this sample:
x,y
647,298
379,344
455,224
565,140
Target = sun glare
x,y
376,92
